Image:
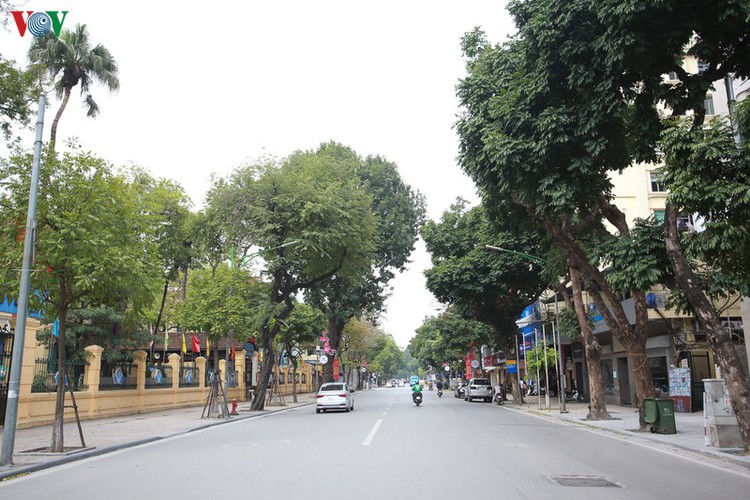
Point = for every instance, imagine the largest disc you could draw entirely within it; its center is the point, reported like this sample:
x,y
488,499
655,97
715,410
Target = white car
x,y
334,396
478,388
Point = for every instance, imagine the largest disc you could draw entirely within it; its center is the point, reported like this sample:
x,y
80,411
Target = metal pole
x,y
536,358
562,379
731,102
14,381
546,368
518,373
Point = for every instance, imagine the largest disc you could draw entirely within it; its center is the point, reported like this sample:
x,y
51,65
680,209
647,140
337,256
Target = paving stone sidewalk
x,y
690,434
108,434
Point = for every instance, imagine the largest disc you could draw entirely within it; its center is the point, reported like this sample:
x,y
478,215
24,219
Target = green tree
x,y
222,302
540,147
166,218
447,338
491,287
70,60
312,217
17,90
400,214
386,357
87,252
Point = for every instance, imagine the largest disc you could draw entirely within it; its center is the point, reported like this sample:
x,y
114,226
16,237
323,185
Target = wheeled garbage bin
x,y
659,415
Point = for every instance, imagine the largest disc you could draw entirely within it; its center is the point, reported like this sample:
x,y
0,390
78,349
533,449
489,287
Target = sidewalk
x,y
109,434
690,432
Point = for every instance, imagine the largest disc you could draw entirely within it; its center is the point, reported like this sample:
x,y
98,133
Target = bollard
x,y
234,407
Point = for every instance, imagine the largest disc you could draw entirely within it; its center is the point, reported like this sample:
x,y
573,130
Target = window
x,y
684,221
657,182
709,105
658,368
607,376
702,67
672,75
304,378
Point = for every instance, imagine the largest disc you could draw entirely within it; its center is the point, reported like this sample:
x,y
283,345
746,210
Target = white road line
x,y
371,435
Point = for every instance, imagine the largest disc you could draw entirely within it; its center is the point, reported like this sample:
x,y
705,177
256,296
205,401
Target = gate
x,y
6,350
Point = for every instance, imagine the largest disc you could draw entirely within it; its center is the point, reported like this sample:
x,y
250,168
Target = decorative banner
x,y
336,367
196,344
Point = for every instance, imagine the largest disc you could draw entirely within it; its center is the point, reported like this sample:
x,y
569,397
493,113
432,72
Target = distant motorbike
x,y
500,396
574,396
440,392
417,397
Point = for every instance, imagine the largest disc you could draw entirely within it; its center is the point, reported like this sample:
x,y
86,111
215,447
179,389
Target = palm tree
x,y
71,58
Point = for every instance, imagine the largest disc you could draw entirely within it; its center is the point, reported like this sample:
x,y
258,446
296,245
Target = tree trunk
x,y
58,440
335,329
161,307
293,359
609,305
738,385
269,358
53,128
597,402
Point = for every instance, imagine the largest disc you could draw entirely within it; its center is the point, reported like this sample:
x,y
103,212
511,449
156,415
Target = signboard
x,y
510,366
680,389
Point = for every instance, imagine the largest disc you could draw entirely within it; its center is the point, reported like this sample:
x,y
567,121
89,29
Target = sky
x,y
206,86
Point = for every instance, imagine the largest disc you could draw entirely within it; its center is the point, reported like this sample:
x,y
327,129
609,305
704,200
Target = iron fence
x,y
121,377
188,375
46,375
159,377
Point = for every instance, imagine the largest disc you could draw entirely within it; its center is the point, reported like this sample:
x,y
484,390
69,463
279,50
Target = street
x,y
388,448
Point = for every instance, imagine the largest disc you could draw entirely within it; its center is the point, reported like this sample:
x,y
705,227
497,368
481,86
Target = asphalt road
x,y
388,449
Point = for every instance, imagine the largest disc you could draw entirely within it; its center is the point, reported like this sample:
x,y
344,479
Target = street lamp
x,y
556,338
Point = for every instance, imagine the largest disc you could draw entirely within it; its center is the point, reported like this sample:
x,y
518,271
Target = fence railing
x,y
122,377
189,375
159,377
46,375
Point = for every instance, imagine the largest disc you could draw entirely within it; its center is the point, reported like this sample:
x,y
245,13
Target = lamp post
x,y
561,374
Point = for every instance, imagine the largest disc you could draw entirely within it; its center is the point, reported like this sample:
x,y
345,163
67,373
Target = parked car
x,y
334,396
459,390
478,388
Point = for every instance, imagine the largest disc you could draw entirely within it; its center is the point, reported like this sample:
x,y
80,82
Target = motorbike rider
x,y
416,389
439,385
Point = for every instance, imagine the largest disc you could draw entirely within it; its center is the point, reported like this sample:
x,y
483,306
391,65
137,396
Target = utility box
x,y
659,414
719,421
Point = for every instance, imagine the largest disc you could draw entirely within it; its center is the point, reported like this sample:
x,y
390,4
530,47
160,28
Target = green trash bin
x,y
665,423
650,413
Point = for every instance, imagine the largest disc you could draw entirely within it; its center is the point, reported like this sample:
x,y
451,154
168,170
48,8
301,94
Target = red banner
x,y
336,366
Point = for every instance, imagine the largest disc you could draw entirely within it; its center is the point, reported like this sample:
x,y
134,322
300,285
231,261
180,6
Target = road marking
x,y
371,435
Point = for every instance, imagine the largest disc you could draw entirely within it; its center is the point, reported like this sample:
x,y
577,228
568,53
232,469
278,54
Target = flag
x,y
196,344
184,344
208,347
56,328
150,328
166,338
231,352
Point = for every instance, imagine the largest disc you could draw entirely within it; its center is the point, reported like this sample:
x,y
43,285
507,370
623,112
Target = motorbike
x,y
574,395
500,396
417,397
440,392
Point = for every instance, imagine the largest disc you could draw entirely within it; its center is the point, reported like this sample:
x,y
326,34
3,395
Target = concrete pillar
x,y
93,371
200,363
174,363
239,365
223,372
139,360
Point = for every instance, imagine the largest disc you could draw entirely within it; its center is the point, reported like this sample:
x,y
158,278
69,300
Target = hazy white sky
x,y
205,85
